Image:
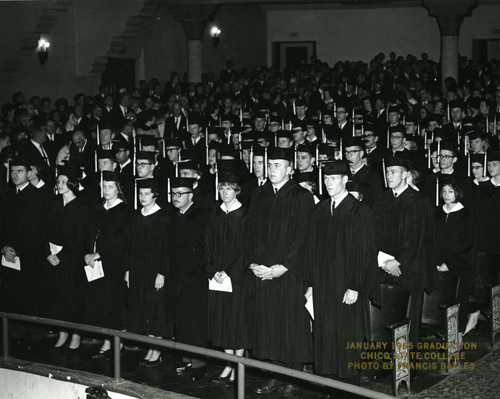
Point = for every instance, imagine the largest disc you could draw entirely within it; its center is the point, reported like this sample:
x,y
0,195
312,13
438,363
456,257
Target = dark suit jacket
x,y
172,130
30,152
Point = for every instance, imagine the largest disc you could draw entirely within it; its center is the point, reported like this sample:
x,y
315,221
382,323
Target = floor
x,y
481,382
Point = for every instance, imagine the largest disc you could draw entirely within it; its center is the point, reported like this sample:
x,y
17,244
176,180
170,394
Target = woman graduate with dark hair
x,y
109,229
66,229
455,248
229,313
148,268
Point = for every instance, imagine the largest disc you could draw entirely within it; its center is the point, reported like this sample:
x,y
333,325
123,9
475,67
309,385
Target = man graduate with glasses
x,y
343,272
188,282
369,181
278,218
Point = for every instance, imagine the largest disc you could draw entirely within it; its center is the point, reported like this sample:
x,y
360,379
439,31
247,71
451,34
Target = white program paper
x,y
382,257
310,306
225,286
16,265
94,273
55,249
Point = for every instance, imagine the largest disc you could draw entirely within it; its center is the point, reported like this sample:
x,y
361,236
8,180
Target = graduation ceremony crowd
x,y
216,209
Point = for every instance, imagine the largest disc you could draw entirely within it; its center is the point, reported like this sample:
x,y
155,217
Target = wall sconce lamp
x,y
215,33
43,51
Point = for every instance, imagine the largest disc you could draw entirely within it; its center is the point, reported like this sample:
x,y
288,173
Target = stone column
x,y
193,19
449,15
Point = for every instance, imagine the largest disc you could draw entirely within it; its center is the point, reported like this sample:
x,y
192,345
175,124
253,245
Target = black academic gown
x,y
343,256
229,314
22,222
188,284
277,235
109,230
67,227
370,184
405,229
487,213
456,248
148,254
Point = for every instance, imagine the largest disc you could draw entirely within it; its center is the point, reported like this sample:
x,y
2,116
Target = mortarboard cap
x,y
120,145
68,170
194,119
106,154
284,133
260,115
356,141
476,134
148,183
399,128
306,148
300,102
228,176
188,165
228,151
477,158
147,141
111,176
148,155
20,161
325,149
258,151
178,182
335,168
448,146
397,161
173,143
280,153
493,155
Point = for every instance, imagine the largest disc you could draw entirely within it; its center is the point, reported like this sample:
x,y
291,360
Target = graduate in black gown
x,y
455,248
66,231
22,221
278,219
148,267
405,230
487,216
109,229
229,313
343,273
189,285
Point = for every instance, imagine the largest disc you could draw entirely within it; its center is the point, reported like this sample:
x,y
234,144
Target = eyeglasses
x,y
143,164
397,137
351,153
369,135
179,195
445,156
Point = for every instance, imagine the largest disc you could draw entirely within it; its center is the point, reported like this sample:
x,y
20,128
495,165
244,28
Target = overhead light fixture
x,y
215,33
43,50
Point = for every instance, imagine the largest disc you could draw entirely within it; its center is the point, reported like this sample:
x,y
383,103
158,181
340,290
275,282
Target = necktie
x,y
275,190
44,155
333,208
395,195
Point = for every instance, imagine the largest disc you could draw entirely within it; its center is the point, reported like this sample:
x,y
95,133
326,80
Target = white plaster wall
x,y
359,34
